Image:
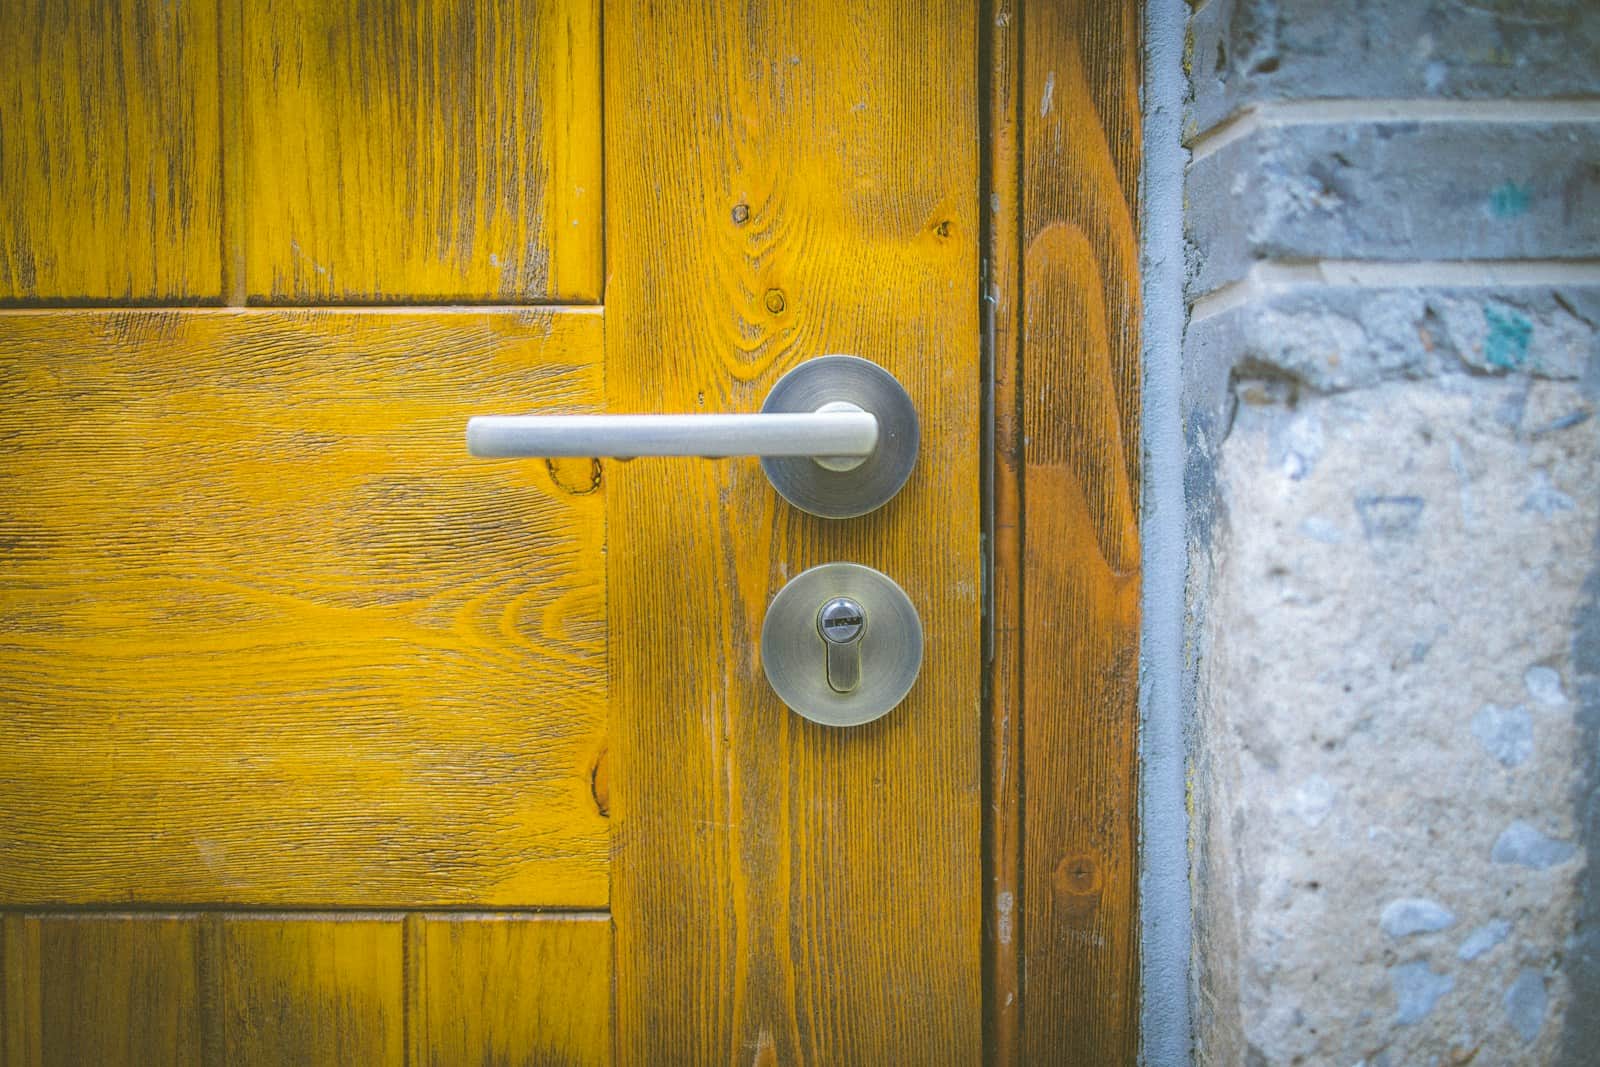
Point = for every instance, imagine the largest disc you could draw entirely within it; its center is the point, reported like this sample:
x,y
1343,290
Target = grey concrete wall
x,y
1391,418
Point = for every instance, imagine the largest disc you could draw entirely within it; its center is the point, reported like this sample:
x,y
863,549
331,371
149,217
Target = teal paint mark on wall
x,y
1508,201
1506,346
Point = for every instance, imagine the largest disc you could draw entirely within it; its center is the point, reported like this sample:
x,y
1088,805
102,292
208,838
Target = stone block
x,y
1378,882
1435,190
1244,52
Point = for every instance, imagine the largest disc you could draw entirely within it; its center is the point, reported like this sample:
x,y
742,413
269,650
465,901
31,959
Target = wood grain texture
x,y
269,636
1078,910
303,988
1002,292
422,152
785,181
109,160
323,990
514,989
109,990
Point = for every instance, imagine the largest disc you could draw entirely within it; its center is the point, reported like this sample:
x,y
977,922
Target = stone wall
x,y
1392,376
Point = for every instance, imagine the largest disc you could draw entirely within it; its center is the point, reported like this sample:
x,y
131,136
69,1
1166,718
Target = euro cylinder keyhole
x,y
841,644
842,622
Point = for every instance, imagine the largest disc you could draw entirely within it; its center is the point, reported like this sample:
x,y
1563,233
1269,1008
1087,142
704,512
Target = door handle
x,y
841,435
837,436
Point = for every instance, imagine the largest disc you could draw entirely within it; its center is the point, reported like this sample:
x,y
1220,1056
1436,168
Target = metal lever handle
x,y
839,431
837,436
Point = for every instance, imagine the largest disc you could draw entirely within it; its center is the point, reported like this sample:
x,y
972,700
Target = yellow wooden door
x,y
322,742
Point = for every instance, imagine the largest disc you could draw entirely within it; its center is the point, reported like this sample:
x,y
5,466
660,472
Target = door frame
x,y
1063,314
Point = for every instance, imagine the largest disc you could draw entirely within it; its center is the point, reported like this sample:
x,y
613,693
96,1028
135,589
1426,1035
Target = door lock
x,y
841,644
841,622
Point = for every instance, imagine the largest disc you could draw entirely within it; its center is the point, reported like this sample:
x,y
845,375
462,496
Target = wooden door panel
x,y
110,182
303,989
422,152
786,892
269,636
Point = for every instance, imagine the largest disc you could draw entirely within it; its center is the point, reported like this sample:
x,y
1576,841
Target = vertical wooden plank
x,y
108,152
1080,537
213,1016
422,152
1002,290
322,989
103,989
784,181
231,87
20,1008
516,989
416,993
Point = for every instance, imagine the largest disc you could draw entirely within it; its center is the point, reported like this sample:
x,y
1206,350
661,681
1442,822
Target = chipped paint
x,y
1508,201
1506,347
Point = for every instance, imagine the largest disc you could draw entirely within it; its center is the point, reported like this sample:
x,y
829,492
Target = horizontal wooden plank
x,y
421,152
269,636
109,157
